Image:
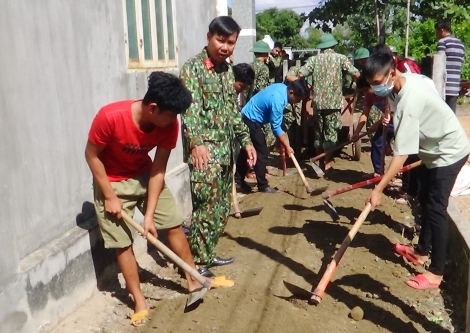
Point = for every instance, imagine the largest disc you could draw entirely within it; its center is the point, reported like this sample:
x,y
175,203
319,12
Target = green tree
x,y
339,11
282,25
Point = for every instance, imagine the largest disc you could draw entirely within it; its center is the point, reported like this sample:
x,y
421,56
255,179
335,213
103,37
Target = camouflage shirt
x,y
261,79
275,69
327,69
212,118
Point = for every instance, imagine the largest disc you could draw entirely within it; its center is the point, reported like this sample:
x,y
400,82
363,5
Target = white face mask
x,y
383,89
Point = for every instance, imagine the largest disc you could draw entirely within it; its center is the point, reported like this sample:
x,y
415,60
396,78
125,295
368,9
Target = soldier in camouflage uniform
x,y
262,72
292,113
327,80
275,64
209,126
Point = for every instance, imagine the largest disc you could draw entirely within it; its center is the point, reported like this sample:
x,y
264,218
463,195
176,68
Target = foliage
x,y
339,11
282,25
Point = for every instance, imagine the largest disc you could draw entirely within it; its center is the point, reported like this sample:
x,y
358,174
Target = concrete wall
x,y
60,61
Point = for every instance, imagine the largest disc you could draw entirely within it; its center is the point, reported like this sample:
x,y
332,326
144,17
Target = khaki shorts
x,y
133,193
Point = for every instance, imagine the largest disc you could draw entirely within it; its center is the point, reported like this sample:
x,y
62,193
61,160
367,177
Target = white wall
x,y
60,61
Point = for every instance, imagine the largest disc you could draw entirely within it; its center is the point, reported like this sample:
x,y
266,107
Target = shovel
x,y
317,169
239,214
316,295
311,191
194,295
330,209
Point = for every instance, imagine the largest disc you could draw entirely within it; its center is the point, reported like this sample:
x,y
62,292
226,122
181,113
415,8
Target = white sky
x,y
299,6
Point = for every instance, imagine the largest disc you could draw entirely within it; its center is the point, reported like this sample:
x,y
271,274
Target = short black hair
x,y
384,48
362,83
277,44
168,92
244,73
224,26
444,25
299,88
378,63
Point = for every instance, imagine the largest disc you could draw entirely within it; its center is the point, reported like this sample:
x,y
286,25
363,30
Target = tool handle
x,y
236,207
331,268
166,251
283,160
316,158
384,146
299,170
367,182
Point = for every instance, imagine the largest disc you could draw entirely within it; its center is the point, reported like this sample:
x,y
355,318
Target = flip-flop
x,y
140,318
222,282
420,282
402,250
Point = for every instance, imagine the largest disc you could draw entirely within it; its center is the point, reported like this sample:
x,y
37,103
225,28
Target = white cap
x,y
268,40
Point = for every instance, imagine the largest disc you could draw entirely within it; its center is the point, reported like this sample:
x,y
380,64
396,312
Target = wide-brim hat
x,y
326,41
361,53
260,47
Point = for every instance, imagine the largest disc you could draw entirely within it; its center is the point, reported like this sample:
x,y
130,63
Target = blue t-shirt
x,y
267,106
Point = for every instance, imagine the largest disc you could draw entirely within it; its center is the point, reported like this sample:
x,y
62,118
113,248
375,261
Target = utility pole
x,y
407,27
243,11
377,21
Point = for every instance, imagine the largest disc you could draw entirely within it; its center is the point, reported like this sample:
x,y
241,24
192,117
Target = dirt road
x,y
293,239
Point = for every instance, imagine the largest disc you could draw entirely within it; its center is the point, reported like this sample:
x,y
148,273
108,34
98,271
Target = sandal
x,y
222,282
140,318
401,249
402,200
420,282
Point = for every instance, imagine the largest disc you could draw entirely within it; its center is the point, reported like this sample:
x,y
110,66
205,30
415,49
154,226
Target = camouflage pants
x,y
374,115
210,192
270,137
326,124
291,115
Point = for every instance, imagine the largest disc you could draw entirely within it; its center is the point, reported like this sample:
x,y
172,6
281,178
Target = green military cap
x,y
361,53
350,55
326,41
260,47
393,49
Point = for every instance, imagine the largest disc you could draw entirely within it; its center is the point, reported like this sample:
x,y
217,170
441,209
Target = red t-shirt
x,y
126,147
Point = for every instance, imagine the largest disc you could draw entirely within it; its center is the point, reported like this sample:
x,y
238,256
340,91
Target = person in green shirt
x,y
425,125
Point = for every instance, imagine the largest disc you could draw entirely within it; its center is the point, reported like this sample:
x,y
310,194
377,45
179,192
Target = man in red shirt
x,y
121,136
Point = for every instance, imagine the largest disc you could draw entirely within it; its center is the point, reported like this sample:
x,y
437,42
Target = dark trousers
x,y
452,102
376,152
259,142
411,178
436,185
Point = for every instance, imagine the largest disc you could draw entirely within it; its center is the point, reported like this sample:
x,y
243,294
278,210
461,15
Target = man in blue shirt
x,y
267,106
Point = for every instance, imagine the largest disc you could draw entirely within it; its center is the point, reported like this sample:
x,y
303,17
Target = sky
x,y
300,6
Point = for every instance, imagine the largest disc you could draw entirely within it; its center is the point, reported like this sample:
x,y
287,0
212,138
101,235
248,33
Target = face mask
x,y
383,89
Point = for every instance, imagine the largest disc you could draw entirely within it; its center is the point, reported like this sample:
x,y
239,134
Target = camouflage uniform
x,y
261,82
327,82
261,79
212,120
275,69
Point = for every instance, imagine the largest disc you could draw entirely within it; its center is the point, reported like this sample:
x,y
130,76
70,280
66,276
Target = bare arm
x,y
155,187
112,204
375,196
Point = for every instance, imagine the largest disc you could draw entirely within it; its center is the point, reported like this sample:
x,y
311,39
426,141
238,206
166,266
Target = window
x,y
150,33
